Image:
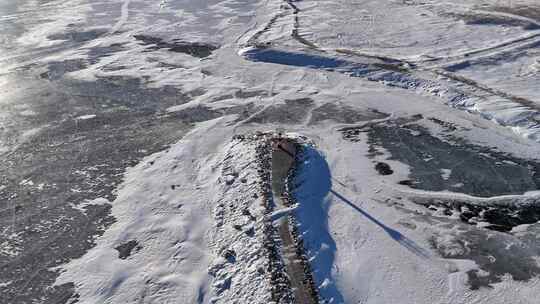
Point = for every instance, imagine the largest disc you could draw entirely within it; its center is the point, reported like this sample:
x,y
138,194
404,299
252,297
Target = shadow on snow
x,y
269,55
312,186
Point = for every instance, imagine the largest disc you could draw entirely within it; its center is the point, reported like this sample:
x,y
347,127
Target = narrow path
x,y
282,161
124,15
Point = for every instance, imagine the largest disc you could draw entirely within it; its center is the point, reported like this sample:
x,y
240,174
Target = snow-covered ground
x,y
415,181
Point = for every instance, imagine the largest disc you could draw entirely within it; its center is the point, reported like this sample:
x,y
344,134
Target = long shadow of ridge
x,y
394,234
310,188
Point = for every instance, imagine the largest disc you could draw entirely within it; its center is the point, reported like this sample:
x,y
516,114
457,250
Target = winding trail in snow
x,y
124,15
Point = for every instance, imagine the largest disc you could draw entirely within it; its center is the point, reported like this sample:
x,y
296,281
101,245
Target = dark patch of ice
x,y
76,160
125,249
57,69
241,94
502,215
479,18
78,36
195,49
204,113
473,169
529,11
495,254
98,52
343,114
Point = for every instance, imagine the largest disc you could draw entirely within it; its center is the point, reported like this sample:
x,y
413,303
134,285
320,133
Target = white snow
x,y
82,206
171,226
445,173
237,238
86,117
280,213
